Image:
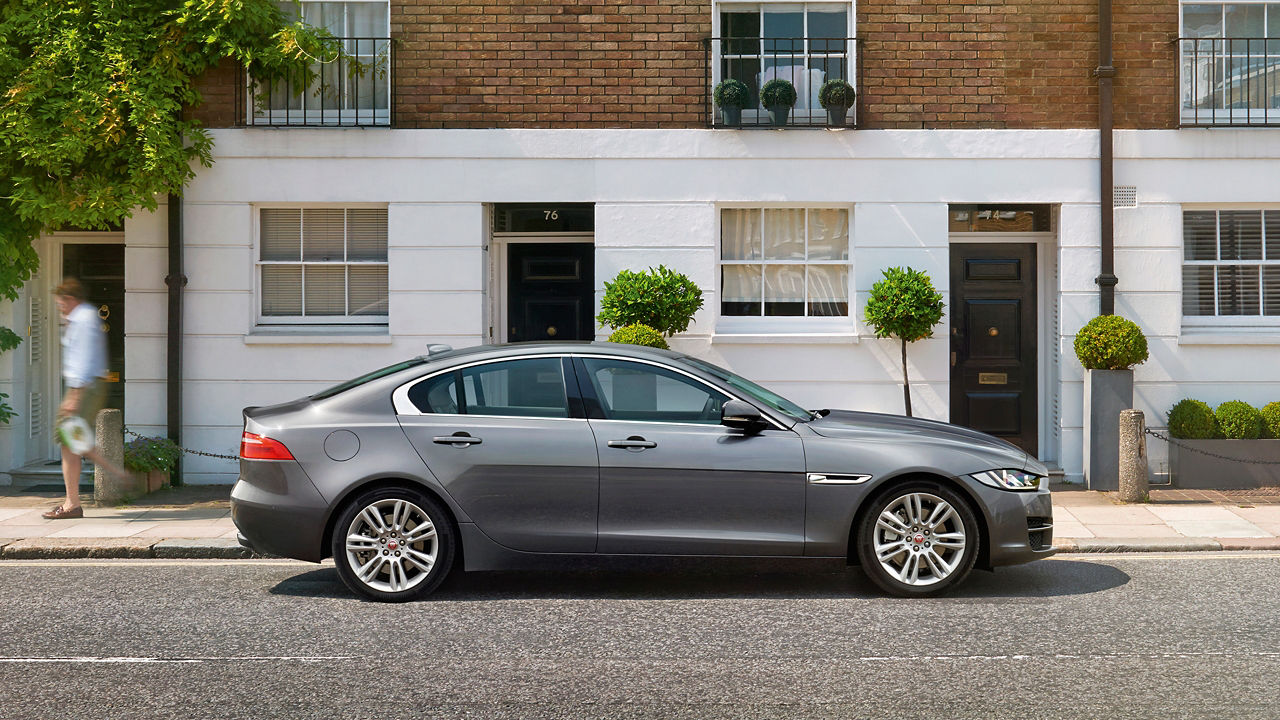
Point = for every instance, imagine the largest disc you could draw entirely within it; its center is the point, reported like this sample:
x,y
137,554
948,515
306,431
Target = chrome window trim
x,y
400,396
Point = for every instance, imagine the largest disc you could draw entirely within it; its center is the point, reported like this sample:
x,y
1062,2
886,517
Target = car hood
x,y
852,424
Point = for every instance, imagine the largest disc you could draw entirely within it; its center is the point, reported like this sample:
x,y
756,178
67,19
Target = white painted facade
x,y
657,197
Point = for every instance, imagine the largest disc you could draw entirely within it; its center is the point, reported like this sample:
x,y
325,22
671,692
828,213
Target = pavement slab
x,y
1206,521
102,530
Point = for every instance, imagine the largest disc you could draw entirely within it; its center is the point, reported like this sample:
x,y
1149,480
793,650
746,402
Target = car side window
x,y
436,395
648,393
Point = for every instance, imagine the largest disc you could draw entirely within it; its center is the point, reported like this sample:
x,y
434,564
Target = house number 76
x,y
550,214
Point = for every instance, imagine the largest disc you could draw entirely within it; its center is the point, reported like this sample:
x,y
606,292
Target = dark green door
x,y
100,268
993,340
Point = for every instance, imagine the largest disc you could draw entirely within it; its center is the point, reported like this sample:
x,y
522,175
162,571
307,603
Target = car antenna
x,y
438,348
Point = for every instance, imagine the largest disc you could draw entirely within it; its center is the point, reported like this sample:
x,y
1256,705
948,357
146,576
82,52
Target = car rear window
x,y
368,377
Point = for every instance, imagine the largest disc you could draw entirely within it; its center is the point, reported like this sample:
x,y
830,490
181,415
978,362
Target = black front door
x,y
550,291
993,340
100,268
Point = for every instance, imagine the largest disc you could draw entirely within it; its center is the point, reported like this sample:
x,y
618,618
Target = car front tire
x,y
393,545
917,539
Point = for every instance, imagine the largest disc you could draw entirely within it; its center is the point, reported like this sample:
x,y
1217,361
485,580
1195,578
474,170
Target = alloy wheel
x,y
392,545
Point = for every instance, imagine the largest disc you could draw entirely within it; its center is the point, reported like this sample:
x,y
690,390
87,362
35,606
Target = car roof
x,y
483,352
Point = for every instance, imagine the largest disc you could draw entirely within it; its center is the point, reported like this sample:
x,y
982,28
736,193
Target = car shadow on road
x,y
729,579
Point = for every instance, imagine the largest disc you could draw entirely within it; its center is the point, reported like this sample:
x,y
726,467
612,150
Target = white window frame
x,y
318,322
1209,324
340,117
851,54
1224,115
750,328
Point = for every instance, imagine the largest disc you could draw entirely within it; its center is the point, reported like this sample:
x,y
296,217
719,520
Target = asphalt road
x,y
1119,636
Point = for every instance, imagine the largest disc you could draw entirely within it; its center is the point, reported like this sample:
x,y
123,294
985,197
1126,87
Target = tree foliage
x,y
905,305
661,298
91,100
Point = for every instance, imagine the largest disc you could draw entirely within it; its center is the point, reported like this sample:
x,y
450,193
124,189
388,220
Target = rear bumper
x,y
1021,524
278,511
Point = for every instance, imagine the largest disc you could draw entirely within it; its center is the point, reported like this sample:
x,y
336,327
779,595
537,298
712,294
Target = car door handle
x,y
460,439
635,442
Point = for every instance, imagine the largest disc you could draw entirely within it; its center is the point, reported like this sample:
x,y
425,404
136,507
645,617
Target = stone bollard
x,y
1133,457
109,436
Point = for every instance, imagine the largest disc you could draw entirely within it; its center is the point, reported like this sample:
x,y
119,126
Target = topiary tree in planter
x,y
1192,420
1108,346
731,96
661,298
904,305
836,96
639,334
1238,420
777,96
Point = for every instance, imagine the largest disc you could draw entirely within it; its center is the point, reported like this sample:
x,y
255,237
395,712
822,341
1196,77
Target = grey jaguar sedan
x,y
498,457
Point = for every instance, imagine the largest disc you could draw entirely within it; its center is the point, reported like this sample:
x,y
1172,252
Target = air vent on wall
x,y
1125,196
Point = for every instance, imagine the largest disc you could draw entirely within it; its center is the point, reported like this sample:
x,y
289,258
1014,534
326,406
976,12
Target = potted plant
x,y
837,97
639,334
1233,447
1108,347
154,458
777,96
904,305
731,96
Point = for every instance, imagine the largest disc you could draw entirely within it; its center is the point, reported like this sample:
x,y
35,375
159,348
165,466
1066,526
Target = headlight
x,y
1008,479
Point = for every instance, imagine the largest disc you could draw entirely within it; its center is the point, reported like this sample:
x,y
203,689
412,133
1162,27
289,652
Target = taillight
x,y
258,447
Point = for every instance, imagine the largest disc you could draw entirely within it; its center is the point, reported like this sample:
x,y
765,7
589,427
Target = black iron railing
x,y
1230,81
352,90
806,63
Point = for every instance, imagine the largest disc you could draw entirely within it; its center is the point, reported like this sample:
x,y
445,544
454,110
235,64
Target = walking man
x,y
84,362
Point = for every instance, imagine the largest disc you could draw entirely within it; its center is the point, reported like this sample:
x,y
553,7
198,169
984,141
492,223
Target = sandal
x,y
61,513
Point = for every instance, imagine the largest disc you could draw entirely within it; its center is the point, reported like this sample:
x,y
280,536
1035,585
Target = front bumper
x,y
1020,524
278,511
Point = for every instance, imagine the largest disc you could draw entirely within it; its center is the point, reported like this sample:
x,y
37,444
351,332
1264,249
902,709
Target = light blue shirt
x,y
84,347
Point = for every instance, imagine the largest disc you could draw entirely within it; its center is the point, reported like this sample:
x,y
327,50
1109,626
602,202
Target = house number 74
x,y
550,214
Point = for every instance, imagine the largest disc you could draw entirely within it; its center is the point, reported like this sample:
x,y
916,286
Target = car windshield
x,y
368,377
768,397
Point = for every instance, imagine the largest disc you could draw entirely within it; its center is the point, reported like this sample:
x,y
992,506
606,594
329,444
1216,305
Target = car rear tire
x,y
393,545
917,539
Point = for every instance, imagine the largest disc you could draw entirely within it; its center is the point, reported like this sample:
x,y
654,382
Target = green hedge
x,y
639,334
1192,419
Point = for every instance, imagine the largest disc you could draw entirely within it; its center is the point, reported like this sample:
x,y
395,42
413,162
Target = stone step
x,y
44,473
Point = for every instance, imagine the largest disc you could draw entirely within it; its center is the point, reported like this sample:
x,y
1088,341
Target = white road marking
x,y
189,660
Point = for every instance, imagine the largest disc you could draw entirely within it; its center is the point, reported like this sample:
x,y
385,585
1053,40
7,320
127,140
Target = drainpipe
x,y
1106,280
176,281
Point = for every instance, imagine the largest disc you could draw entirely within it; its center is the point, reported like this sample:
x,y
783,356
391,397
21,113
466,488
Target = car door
x,y
501,438
673,480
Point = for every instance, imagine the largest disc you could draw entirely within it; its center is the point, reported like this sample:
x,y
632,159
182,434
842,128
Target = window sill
x,y
831,338
318,336
1263,337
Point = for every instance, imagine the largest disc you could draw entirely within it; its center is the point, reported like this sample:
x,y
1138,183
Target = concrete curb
x,y
123,548
1165,544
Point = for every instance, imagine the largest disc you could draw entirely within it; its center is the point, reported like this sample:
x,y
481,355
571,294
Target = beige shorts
x,y
93,397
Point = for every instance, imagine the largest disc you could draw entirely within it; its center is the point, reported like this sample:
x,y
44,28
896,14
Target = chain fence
x,y
189,451
1188,448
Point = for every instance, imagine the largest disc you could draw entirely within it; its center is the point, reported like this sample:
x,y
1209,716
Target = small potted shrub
x,y
152,457
837,97
1108,347
1233,447
661,298
777,96
731,96
639,334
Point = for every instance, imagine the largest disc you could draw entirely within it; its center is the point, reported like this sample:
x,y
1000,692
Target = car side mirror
x,y
740,416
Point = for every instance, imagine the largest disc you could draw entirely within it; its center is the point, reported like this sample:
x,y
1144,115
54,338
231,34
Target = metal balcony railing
x,y
1230,81
352,90
806,63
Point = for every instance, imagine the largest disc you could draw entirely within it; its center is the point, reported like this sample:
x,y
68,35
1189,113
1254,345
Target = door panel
x,y
550,291
993,340
525,472
675,481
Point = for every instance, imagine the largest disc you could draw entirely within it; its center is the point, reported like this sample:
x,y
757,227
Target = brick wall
x,y
640,63
550,63
218,90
